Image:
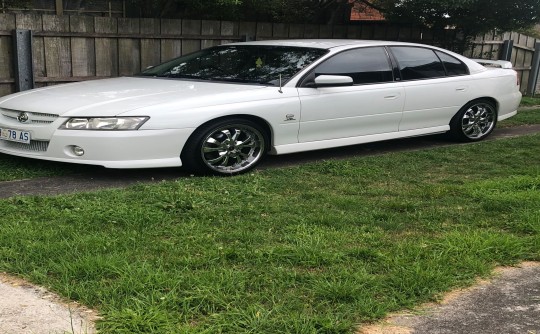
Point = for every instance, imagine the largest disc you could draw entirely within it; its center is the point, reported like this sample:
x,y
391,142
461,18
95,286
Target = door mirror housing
x,y
333,81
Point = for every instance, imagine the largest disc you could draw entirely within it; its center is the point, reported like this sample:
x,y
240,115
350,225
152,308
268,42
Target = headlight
x,y
104,123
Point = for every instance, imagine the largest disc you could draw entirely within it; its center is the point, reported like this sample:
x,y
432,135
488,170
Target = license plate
x,y
15,135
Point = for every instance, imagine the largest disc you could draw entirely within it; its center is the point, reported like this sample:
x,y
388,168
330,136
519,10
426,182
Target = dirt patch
x,y
29,309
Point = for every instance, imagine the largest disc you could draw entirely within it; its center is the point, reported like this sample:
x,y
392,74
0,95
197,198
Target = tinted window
x,y
365,66
452,65
417,63
239,63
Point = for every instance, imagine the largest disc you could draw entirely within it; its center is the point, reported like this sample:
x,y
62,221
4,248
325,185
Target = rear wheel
x,y
475,121
225,147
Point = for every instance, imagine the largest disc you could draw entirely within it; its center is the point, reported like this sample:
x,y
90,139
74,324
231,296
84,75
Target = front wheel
x,y
225,147
475,121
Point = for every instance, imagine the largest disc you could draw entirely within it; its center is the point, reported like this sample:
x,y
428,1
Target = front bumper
x,y
111,149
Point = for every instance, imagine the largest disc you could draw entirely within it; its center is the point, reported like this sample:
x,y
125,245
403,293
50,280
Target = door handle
x,y
461,89
391,97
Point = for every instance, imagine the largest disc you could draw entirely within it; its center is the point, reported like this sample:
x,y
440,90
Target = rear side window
x,y
452,65
417,63
364,65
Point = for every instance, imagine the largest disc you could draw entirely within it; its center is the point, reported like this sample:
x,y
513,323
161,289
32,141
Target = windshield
x,y
239,63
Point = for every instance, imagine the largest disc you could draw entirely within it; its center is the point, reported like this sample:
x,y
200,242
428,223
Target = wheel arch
x,y
258,120
483,98
486,98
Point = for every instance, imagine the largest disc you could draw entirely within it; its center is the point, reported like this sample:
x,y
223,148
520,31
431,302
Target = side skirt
x,y
322,144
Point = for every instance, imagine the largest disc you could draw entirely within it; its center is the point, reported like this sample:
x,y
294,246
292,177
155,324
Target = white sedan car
x,y
222,109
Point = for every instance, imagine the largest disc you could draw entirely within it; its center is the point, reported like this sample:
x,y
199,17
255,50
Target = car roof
x,y
320,43
341,44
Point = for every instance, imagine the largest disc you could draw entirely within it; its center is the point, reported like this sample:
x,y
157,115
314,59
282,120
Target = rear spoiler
x,y
494,63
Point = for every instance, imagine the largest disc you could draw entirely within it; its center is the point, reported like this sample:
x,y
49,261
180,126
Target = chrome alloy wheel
x,y
232,148
478,120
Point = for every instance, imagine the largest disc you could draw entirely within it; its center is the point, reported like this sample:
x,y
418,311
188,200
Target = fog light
x,y
78,151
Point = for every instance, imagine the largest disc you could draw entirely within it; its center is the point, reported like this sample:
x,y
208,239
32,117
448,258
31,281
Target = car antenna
x,y
279,90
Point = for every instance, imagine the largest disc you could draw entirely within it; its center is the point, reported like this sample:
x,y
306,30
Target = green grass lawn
x,y
523,117
15,168
527,101
316,248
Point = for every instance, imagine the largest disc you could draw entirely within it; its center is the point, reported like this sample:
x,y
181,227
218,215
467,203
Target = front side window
x,y
239,63
417,63
364,65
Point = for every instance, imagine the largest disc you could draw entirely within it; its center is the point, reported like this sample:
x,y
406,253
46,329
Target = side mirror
x,y
333,81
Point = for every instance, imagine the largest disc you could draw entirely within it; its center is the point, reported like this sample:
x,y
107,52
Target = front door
x,y
372,105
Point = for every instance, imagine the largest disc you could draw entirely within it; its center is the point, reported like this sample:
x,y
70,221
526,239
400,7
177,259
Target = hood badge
x,y
23,117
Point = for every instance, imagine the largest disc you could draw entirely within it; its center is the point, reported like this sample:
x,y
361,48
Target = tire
x,y
225,147
474,122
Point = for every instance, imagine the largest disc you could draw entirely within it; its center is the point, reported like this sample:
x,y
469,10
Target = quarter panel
x,y
499,84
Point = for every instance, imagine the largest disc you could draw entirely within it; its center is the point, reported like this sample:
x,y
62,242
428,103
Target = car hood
x,y
110,97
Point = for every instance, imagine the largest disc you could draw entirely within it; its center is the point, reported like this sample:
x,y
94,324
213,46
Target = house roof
x,y
362,12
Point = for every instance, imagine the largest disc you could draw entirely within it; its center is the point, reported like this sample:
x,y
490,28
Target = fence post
x,y
59,7
506,53
24,69
535,66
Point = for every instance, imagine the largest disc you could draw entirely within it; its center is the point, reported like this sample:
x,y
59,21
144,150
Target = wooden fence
x,y
74,48
521,52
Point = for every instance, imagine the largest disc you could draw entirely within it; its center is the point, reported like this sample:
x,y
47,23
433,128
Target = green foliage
x,y
293,11
16,3
472,16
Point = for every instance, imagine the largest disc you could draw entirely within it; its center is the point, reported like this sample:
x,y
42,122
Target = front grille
x,y
34,146
33,117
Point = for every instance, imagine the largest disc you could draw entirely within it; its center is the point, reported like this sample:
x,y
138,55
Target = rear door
x,y
436,86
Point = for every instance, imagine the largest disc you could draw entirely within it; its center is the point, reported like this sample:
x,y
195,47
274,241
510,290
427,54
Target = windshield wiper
x,y
240,80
